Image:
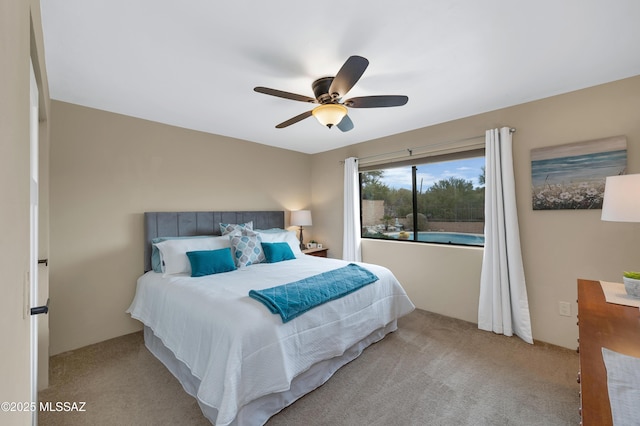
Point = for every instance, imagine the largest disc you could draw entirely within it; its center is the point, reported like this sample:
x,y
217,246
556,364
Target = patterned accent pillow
x,y
247,248
235,228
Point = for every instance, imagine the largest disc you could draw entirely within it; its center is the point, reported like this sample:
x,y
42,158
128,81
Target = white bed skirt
x,y
257,412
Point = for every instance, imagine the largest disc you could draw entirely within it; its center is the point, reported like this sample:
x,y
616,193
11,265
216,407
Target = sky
x,y
430,173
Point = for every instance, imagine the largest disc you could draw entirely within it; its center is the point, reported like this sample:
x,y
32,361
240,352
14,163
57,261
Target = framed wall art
x,y
572,176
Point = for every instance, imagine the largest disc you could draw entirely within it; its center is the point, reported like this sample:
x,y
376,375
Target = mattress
x,y
237,351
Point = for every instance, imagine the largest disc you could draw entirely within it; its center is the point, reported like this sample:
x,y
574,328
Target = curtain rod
x,y
410,150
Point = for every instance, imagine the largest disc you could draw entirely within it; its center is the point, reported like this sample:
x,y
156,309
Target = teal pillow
x,y
209,262
277,252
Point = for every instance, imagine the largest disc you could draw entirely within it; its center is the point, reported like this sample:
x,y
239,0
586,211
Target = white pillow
x,y
173,253
289,237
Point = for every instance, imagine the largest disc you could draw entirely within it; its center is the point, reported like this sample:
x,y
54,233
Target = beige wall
x,y
106,170
558,246
17,45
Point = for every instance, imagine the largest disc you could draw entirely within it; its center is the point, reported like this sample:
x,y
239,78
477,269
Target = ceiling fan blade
x,y
345,124
348,75
285,95
294,120
376,101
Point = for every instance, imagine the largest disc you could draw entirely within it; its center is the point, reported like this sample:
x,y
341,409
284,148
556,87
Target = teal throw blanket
x,y
293,299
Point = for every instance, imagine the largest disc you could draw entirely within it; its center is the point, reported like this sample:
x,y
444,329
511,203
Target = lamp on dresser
x,y
301,218
622,199
622,204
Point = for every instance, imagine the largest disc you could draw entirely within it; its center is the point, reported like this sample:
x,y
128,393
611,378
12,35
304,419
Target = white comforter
x,y
237,348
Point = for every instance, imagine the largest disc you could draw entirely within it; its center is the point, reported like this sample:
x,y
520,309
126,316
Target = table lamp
x,y
301,218
621,203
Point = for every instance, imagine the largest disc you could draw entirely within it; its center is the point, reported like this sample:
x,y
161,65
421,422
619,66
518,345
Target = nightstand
x,y
318,252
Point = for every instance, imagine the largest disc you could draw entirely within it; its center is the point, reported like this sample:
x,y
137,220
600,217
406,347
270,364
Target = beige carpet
x,y
433,371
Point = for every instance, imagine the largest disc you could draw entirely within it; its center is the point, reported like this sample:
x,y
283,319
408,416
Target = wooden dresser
x,y
601,324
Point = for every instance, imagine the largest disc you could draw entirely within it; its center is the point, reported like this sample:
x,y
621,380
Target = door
x,y
33,245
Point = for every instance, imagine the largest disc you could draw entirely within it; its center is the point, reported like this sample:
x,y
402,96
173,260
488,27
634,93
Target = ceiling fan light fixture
x,y
329,114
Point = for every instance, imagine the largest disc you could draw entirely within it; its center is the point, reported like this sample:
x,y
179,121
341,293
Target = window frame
x,y
414,162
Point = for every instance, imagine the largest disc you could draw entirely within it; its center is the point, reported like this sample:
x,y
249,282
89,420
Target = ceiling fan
x,y
328,93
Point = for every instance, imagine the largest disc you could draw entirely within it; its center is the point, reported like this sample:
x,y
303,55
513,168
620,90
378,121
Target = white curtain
x,y
351,236
503,306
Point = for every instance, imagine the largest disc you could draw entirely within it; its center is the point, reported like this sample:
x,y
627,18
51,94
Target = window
x,y
432,200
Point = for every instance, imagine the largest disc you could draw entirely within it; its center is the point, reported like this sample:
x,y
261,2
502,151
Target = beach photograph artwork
x,y
572,176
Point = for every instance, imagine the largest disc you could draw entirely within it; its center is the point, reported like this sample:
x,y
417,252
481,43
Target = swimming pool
x,y
445,238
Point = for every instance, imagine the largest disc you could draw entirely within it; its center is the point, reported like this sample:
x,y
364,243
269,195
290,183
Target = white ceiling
x,y
194,63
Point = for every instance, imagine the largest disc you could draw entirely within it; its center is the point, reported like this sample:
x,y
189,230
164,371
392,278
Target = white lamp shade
x,y
329,114
622,199
301,218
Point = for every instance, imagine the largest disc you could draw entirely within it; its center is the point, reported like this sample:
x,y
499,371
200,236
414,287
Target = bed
x,y
240,361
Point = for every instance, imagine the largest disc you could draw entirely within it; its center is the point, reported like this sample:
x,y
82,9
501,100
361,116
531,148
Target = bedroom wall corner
x,y
106,171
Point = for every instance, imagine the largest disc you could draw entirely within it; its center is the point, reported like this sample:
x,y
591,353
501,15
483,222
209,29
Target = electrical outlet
x,y
564,309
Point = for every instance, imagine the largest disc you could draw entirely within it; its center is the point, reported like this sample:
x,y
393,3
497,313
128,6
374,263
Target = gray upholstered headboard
x,y
181,224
